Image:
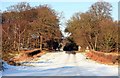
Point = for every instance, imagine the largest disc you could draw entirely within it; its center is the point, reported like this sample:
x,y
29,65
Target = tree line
x,y
23,26
95,28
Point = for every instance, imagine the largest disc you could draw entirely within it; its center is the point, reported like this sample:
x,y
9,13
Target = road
x,y
62,64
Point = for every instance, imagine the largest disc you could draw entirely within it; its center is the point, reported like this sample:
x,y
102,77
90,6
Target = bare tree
x,y
22,6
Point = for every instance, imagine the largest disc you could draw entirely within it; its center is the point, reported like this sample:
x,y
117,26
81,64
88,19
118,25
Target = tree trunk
x,y
23,43
92,46
96,38
19,44
28,41
88,43
40,42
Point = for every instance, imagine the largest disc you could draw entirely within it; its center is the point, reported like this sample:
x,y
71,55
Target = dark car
x,y
70,48
70,52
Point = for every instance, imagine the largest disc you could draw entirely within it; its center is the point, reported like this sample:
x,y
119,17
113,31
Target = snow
x,y
61,64
0,74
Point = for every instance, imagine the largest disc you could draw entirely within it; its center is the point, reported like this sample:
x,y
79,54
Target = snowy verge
x,y
61,64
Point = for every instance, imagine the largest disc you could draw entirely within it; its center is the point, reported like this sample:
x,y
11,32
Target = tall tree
x,y
101,10
23,27
95,28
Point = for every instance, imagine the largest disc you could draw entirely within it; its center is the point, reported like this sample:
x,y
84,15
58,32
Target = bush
x,y
107,58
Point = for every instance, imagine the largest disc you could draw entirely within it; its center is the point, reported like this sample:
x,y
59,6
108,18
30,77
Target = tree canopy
x,y
23,26
94,28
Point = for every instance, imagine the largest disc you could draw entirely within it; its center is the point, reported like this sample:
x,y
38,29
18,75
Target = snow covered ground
x,y
61,64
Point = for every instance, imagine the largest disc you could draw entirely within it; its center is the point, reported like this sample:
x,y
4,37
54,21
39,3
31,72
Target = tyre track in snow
x,y
70,60
77,60
75,63
63,62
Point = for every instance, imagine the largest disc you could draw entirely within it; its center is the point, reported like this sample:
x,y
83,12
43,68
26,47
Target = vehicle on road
x,y
71,52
